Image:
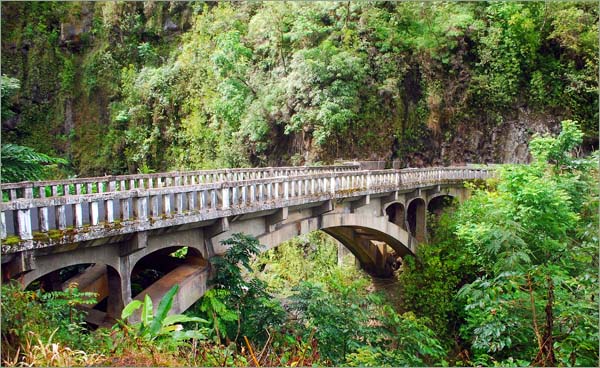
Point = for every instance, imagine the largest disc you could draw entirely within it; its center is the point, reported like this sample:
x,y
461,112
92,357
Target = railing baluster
x,y
24,224
213,199
203,199
94,213
225,197
191,199
2,225
43,219
110,211
166,204
179,203
78,215
234,196
61,217
124,202
140,208
154,206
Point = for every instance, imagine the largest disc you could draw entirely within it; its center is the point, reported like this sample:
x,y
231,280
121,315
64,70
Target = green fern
x,y
21,163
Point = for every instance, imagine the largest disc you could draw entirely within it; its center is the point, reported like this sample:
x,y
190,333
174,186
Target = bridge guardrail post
x,y
225,197
43,213
191,201
332,185
124,203
244,192
166,204
94,214
24,224
110,210
78,215
140,207
213,199
2,225
61,217
234,196
179,203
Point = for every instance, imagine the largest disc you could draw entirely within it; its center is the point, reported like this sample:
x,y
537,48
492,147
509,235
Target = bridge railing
x,y
91,216
103,184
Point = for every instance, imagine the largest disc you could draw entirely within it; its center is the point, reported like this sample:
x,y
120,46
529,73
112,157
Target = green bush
x,y
47,315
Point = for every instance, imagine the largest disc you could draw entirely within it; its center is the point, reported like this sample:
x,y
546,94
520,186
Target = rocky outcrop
x,y
73,31
506,142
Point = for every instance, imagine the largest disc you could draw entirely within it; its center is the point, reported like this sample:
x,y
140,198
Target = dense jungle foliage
x,y
121,87
510,278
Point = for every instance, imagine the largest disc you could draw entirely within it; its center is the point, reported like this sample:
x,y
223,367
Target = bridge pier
x,y
119,291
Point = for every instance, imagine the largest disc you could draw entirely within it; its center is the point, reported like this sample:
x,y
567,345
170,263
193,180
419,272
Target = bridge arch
x,y
152,266
155,271
100,278
436,205
396,213
56,262
439,201
356,232
415,216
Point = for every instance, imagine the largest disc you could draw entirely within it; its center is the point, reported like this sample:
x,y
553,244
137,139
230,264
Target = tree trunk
x,y
545,356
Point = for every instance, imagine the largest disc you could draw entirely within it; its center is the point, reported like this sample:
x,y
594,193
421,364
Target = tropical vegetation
x,y
509,277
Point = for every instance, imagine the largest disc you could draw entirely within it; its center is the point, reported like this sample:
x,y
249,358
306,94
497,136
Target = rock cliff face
x,y
124,87
506,142
73,29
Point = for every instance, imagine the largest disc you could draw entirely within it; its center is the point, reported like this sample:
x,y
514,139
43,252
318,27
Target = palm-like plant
x,y
160,325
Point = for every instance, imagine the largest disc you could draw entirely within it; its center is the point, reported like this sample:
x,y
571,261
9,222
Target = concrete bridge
x,y
107,232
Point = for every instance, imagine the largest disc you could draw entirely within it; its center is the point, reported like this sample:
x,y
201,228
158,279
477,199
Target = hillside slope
x,y
127,87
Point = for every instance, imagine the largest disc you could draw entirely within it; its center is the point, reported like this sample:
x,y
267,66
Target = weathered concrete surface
x,y
350,206
94,279
191,278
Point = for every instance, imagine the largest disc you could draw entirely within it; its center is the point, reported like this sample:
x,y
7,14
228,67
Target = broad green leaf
x,y
163,309
147,311
187,335
130,308
181,318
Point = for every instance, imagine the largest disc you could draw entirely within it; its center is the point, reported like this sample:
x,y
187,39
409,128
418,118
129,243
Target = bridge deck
x,y
116,206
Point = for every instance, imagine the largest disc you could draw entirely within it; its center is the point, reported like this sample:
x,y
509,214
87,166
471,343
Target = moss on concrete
x,y
11,240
